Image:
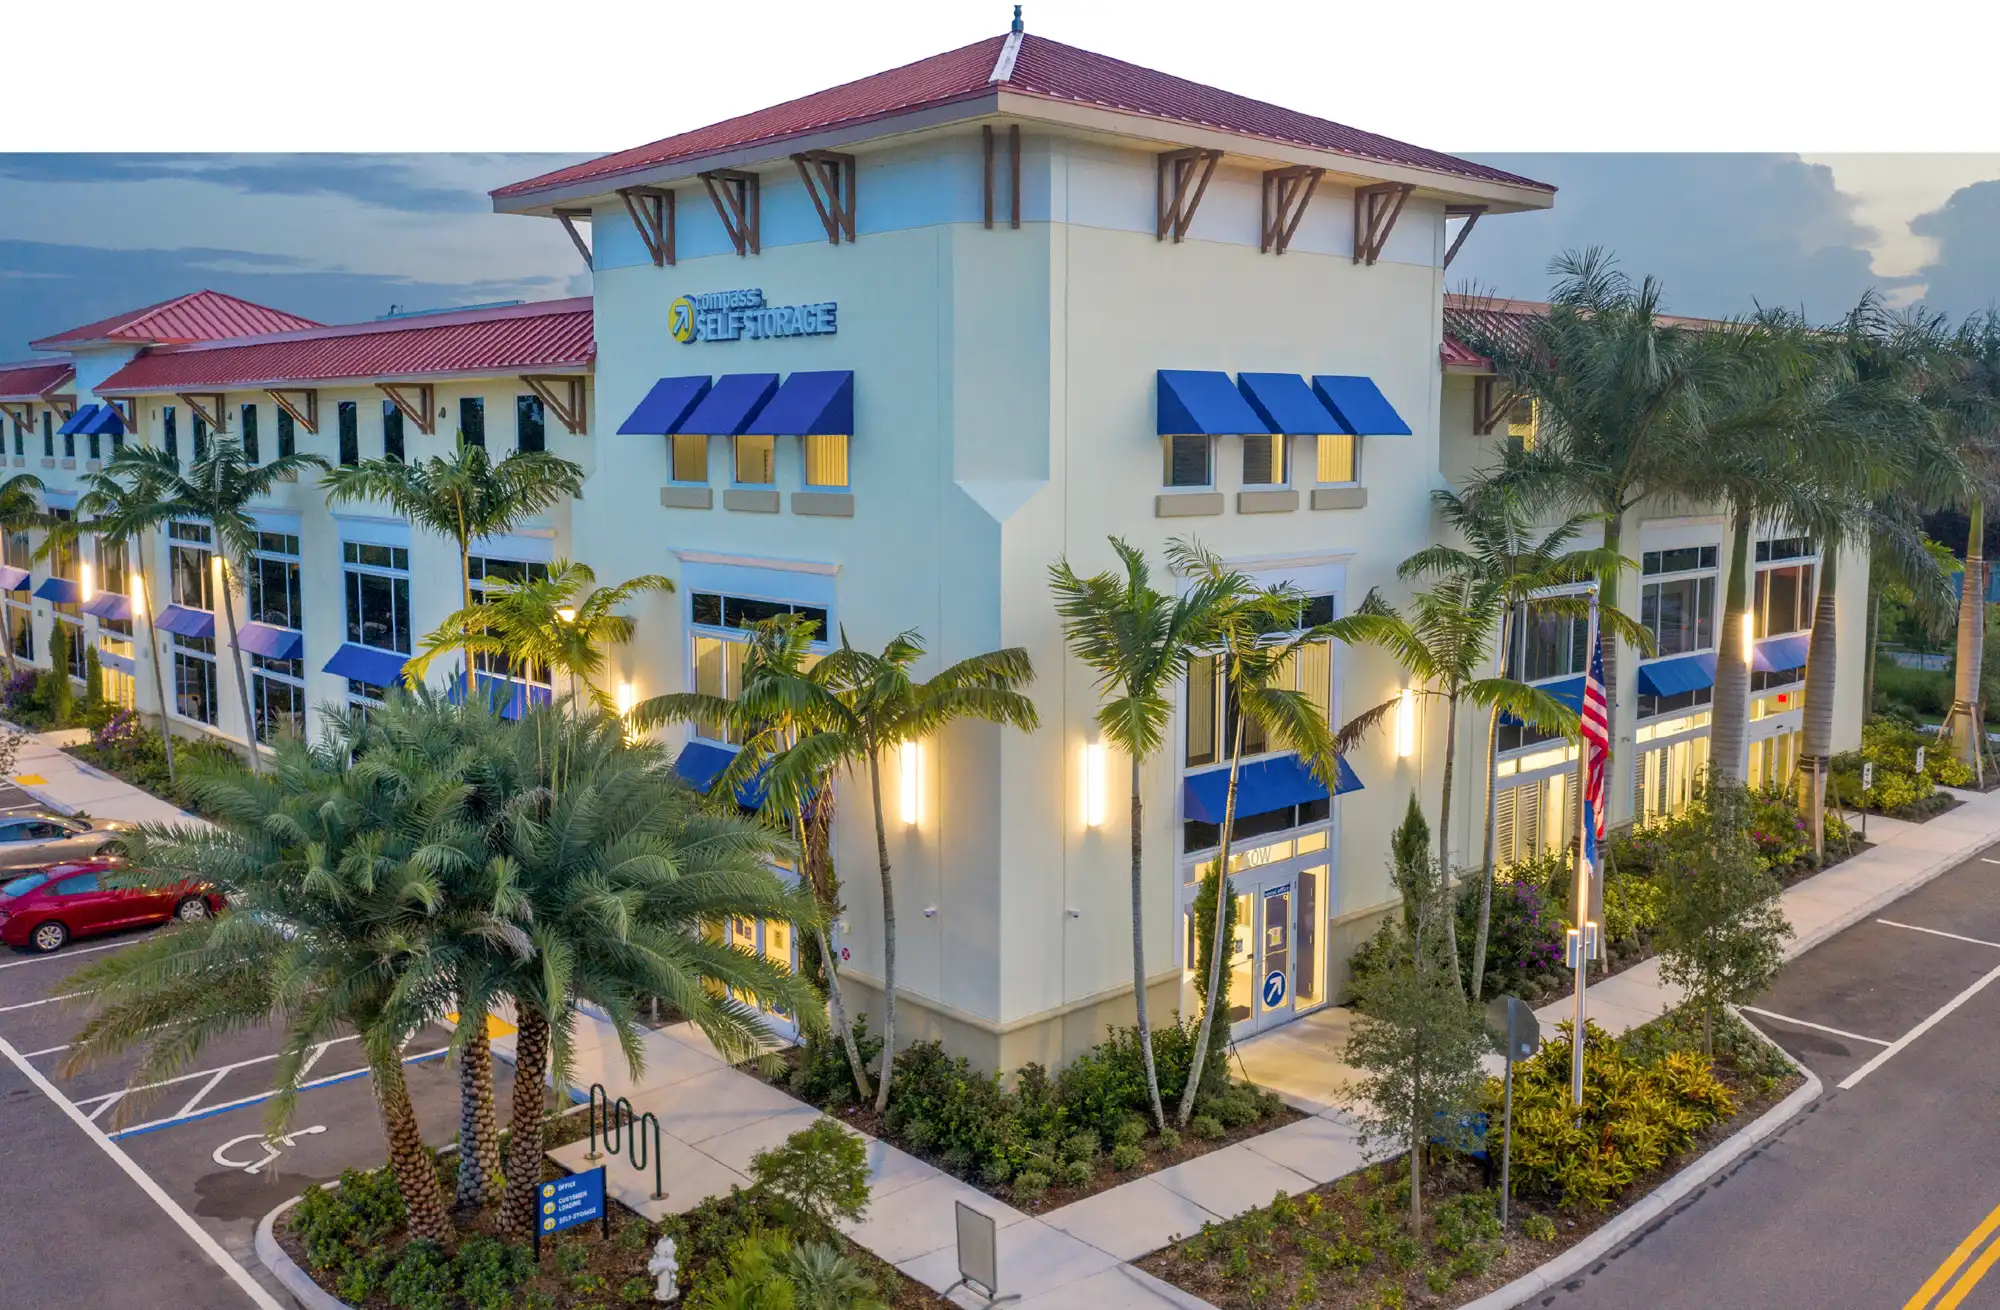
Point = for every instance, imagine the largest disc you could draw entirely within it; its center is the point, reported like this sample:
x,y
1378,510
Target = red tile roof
x,y
33,380
1460,358
548,334
1491,316
197,316
1043,68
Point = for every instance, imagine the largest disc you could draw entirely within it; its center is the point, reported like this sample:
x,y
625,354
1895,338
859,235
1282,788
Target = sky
x,y
341,238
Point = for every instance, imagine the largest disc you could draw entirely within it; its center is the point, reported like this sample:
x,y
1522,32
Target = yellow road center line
x,y
1970,1279
1936,1281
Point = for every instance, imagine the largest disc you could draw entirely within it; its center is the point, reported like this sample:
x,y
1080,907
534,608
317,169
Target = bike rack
x,y
616,1118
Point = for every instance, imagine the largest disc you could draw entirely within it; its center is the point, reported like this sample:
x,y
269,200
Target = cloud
x,y
420,184
1965,276
1721,232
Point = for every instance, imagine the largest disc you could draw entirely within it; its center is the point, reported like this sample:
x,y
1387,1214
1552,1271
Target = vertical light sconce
x,y
89,585
911,757
1406,723
137,586
1093,785
1749,639
628,697
566,614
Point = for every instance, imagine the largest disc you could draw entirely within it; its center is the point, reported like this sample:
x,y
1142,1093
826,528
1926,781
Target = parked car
x,y
43,910
36,840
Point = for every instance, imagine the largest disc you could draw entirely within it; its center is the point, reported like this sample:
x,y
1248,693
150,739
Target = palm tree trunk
x,y
242,679
159,676
1217,947
524,1144
1139,956
888,935
409,1159
836,1003
1820,660
1730,718
1874,648
814,832
478,1133
1444,838
1486,871
1964,725
7,629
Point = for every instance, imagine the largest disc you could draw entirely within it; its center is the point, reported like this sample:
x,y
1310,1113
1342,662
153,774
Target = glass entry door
x,y
1277,957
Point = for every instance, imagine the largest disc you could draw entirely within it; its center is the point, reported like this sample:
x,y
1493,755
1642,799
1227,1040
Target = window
x,y
1548,645
1189,461
189,553
49,434
1684,559
1199,836
480,573
194,678
69,445
20,614
378,596
76,885
96,446
350,434
287,433
1680,613
472,420
170,433
1760,680
1782,548
250,433
1534,818
1339,458
1524,422
200,437
530,426
392,430
112,575
274,581
1783,600
1651,707
20,439
1263,460
188,560
826,460
719,652
756,460
1211,716
713,610
688,453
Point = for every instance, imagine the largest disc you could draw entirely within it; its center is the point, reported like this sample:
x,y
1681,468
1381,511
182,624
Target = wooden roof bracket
x,y
1287,192
1471,214
652,211
568,405
1490,404
1184,173
213,413
304,409
1013,171
829,179
421,410
568,217
128,410
22,414
738,200
1376,209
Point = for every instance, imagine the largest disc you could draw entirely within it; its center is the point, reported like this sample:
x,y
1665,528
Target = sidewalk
x,y
69,786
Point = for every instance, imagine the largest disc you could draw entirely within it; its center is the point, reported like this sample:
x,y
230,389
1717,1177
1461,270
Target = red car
x,y
44,909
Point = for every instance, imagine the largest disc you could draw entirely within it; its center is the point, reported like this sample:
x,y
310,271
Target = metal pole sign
x,y
1920,759
566,1202
1867,782
978,1256
1520,1037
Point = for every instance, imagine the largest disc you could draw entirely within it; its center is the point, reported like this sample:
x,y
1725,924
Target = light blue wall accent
x,y
763,584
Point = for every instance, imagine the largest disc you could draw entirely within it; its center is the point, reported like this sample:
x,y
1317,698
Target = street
x,y
162,1225
1884,1192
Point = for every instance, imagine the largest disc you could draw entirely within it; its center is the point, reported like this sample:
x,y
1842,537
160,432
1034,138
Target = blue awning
x,y
1786,652
271,641
1261,787
811,404
1567,690
1200,403
185,622
1286,403
507,697
109,605
1677,676
661,413
731,405
75,421
107,422
1360,406
59,590
13,579
381,668
700,764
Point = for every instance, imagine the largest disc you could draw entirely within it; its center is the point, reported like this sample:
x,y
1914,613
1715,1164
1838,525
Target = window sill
x,y
824,504
1278,500
69,463
687,497
48,461
1340,498
1186,504
750,501
92,466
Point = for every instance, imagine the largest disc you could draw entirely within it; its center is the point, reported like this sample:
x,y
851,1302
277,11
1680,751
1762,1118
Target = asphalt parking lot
x,y
1886,1192
198,1138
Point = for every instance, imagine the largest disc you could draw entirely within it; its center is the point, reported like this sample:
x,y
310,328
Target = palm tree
x,y
1138,640
1967,397
463,498
1258,634
561,621
18,509
122,512
217,489
1506,553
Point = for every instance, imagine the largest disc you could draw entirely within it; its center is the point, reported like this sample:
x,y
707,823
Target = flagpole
x,y
1583,828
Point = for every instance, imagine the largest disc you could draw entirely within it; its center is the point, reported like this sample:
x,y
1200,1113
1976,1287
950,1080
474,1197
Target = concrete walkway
x,y
69,786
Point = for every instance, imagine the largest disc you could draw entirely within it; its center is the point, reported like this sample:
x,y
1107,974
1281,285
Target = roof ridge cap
x,y
412,323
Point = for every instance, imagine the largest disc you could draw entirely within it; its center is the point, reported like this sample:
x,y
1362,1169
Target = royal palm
x,y
19,508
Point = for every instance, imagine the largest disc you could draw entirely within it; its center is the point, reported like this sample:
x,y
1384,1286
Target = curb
x,y
1848,918
1657,1203
295,1280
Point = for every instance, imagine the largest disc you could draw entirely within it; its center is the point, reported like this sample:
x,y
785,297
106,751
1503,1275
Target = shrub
x,y
1899,789
487,1272
1030,1184
1524,947
824,1279
821,1171
1207,1127
1077,1173
1538,1228
1722,931
1126,1156
421,1279
824,1078
1170,1138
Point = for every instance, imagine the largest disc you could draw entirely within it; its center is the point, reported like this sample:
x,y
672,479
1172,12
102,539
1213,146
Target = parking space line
x,y
209,1246
46,1000
1935,932
46,1050
240,1102
104,1104
177,1079
64,955
206,1088
1818,1027
1883,1056
1987,859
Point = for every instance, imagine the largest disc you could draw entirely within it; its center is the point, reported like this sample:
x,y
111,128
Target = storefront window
x,y
1339,458
826,461
688,452
1189,461
756,460
1264,460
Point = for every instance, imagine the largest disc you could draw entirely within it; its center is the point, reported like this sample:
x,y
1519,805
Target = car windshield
x,y
22,886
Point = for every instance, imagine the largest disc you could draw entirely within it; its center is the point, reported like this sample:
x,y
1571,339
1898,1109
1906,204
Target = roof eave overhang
x,y
110,388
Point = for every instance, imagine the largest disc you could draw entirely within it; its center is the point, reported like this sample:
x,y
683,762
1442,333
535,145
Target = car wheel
x,y
49,936
192,910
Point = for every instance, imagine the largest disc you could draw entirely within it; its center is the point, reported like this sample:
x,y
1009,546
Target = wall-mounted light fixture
x,y
628,697
1093,785
566,614
911,758
137,586
1406,723
89,584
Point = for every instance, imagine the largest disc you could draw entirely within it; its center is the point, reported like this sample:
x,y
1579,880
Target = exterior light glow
x,y
628,696
1093,785
566,614
89,584
1749,639
1406,723
911,757
137,585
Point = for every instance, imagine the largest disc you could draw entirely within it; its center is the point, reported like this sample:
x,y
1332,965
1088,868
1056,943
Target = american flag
x,y
1596,733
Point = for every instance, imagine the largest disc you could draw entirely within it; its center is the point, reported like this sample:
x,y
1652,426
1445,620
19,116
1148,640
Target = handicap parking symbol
x,y
1274,989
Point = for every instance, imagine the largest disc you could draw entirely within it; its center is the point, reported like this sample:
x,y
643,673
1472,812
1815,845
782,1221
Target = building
x,y
880,355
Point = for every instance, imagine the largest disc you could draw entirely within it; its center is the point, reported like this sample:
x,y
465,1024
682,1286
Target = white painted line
x,y
260,1298
1818,1027
64,955
1976,941
312,1060
177,1079
1988,859
47,1050
206,1111
206,1088
1882,1057
104,1104
47,1000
